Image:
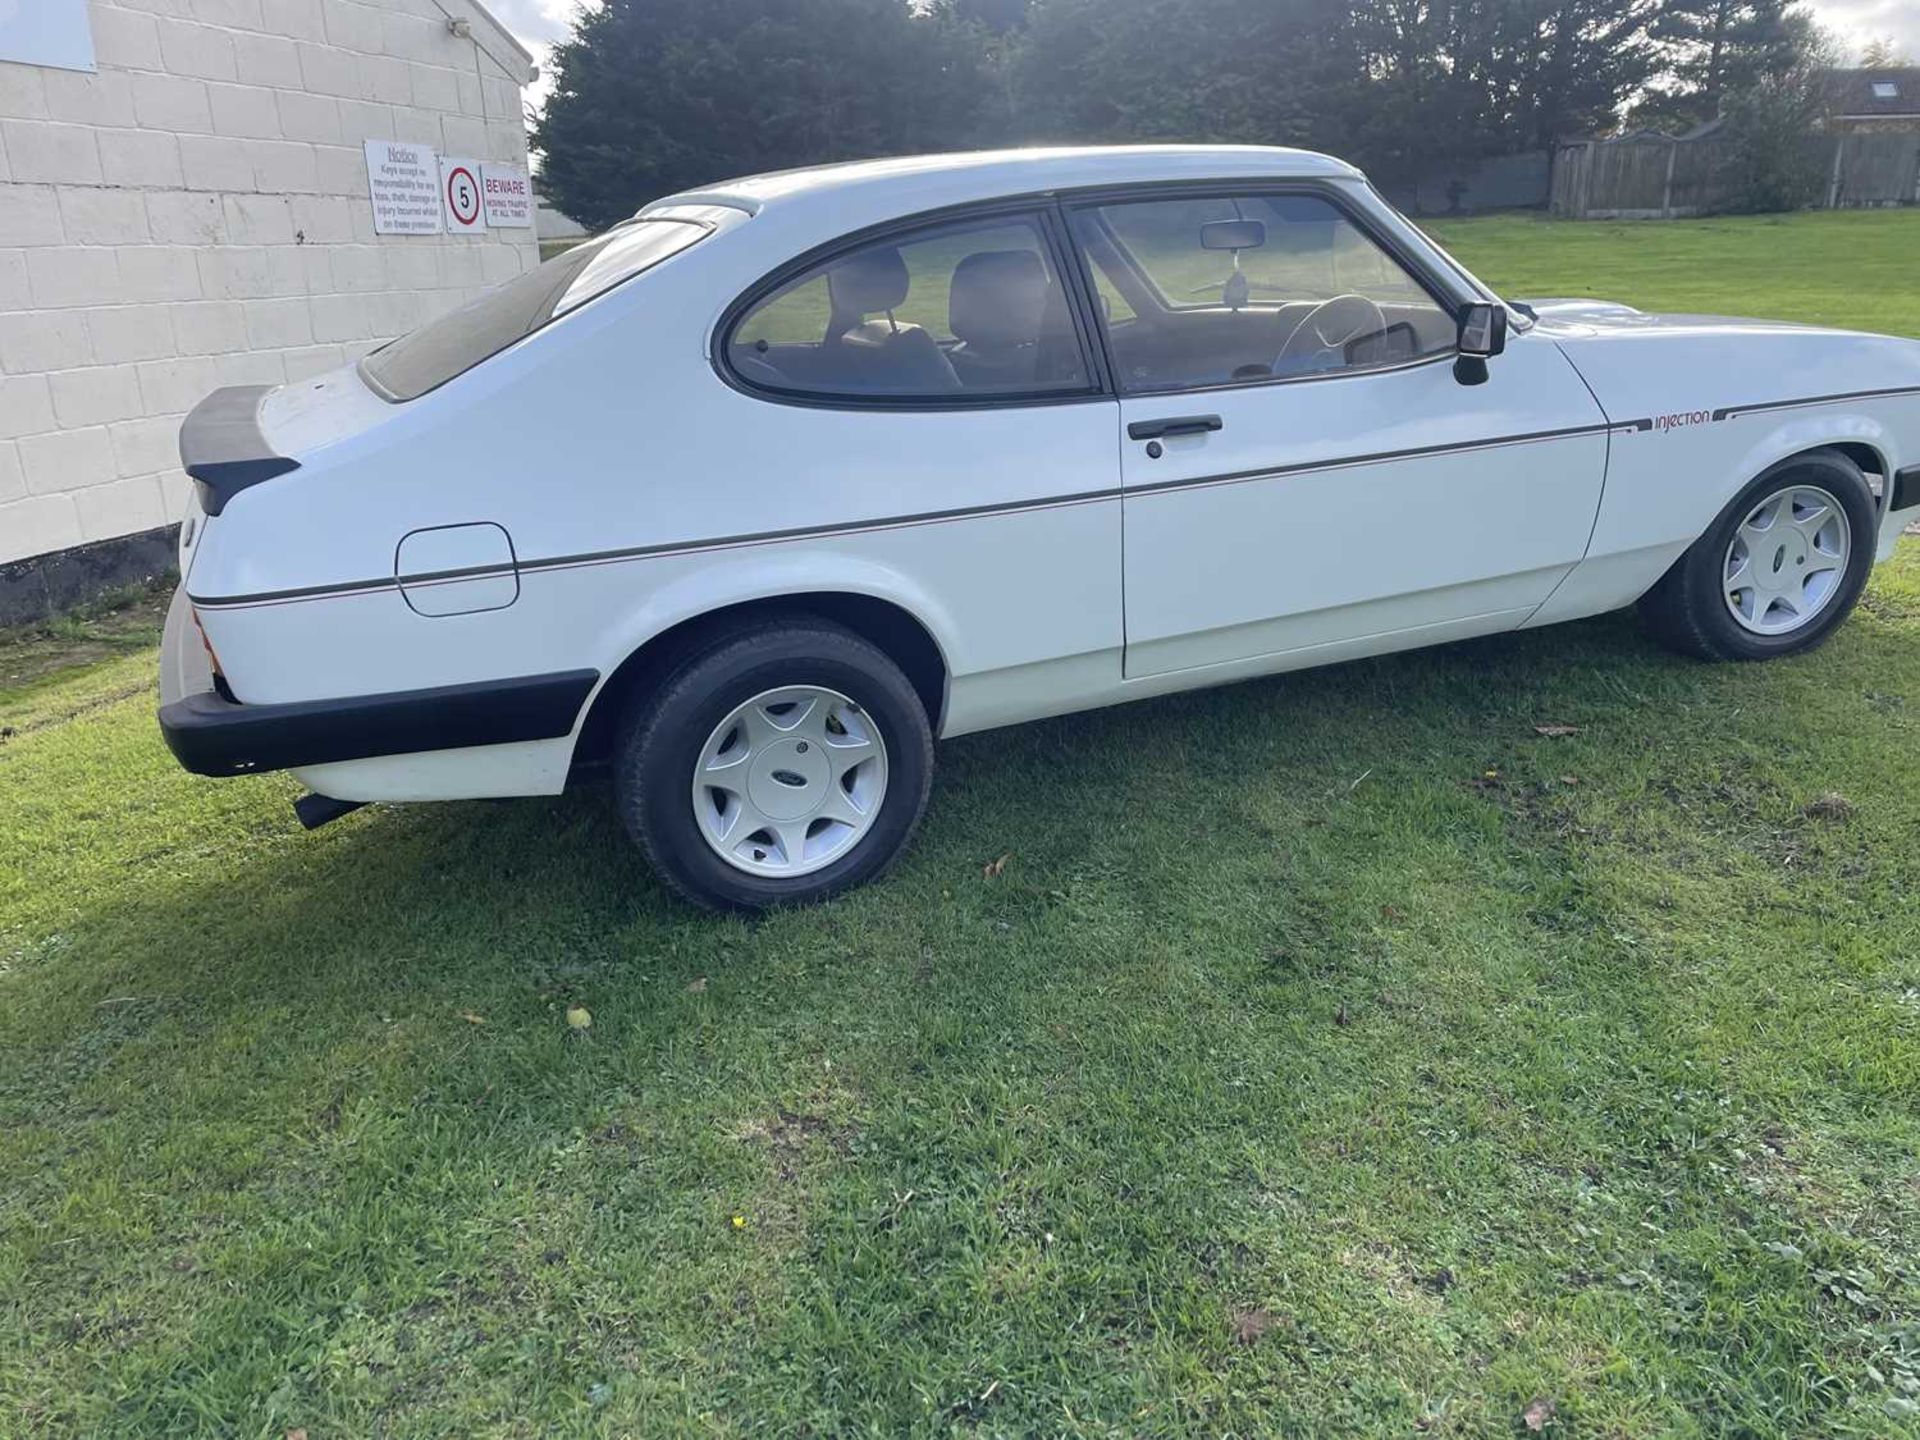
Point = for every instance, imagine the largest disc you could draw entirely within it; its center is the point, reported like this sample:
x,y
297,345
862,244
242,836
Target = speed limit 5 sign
x,y
460,194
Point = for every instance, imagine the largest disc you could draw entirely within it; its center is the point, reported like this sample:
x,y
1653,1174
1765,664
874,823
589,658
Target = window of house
x,y
1885,90
969,309
1228,290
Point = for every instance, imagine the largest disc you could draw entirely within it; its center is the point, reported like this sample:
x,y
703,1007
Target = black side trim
x,y
899,522
224,449
1730,411
1274,472
1906,488
212,736
675,547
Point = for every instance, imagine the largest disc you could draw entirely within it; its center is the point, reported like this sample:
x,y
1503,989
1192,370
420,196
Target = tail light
x,y
220,685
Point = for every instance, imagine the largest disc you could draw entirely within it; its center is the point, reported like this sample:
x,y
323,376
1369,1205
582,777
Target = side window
x,y
969,309
1201,292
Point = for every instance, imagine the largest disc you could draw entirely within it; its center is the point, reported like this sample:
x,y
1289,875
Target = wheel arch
x,y
1858,437
1868,458
890,626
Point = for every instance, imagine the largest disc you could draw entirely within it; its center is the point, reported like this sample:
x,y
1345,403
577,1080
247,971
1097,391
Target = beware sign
x,y
403,184
509,195
460,190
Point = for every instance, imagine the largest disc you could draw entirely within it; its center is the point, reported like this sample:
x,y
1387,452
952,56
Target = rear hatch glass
x,y
428,357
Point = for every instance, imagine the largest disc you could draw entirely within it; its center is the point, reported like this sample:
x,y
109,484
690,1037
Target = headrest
x,y
998,298
868,281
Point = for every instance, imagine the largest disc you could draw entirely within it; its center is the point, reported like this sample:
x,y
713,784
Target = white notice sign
x,y
404,181
460,189
509,195
46,32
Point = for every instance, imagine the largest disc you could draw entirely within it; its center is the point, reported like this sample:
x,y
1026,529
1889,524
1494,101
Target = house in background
x,y
1874,102
186,203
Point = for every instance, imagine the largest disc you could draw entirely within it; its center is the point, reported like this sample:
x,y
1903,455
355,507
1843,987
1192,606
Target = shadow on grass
x,y
402,902
1288,998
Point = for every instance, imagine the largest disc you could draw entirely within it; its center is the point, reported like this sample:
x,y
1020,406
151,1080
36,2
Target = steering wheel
x,y
1319,342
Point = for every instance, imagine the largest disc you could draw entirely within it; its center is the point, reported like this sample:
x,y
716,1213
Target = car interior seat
x,y
994,310
879,354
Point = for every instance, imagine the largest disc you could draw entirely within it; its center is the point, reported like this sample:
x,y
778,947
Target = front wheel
x,y
1779,569
781,765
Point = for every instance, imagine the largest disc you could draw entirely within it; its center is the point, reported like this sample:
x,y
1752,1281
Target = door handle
x,y
1172,425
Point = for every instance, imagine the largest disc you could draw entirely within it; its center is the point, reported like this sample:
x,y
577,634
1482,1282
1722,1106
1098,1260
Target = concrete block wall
x,y
196,215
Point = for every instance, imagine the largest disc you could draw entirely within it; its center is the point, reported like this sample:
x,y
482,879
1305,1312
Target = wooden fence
x,y
1650,176
1500,182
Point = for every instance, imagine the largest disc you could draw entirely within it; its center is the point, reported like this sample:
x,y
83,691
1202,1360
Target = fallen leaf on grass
x,y
1569,779
1554,732
1830,806
1538,1414
1250,1325
971,1407
579,1017
992,868
473,1019
697,987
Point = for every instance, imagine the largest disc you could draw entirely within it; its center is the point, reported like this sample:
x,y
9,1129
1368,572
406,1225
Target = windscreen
x,y
423,359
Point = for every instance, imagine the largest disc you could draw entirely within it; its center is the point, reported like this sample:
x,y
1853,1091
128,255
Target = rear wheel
x,y
780,765
1779,569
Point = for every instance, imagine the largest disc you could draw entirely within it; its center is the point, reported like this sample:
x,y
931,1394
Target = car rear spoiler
x,y
224,449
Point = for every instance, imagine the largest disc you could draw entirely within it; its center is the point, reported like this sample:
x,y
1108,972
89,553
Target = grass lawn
x,y
1333,1054
1857,268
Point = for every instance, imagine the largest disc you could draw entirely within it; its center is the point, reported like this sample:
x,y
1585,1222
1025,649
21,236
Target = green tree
x,y
655,96
1276,72
1884,53
1717,48
1401,86
1777,159
1455,81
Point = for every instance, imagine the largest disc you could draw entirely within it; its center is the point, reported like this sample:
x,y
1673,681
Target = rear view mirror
x,y
1232,235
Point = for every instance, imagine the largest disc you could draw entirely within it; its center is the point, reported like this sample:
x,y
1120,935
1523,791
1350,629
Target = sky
x,y
538,23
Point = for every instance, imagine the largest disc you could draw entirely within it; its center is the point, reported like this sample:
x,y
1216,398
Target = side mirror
x,y
1483,334
1483,330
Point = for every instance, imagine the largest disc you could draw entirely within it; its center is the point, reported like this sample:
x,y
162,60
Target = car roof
x,y
910,183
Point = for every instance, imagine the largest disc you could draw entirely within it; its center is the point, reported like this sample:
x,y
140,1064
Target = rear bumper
x,y
211,735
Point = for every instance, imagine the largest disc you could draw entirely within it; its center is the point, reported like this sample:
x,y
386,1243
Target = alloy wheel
x,y
790,781
1787,560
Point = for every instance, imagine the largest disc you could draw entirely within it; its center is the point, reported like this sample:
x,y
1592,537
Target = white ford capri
x,y
753,496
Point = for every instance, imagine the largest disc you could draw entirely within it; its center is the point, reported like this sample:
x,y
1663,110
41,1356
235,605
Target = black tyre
x,y
777,765
1779,569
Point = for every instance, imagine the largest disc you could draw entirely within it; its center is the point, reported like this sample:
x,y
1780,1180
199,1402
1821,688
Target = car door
x,y
1301,467
927,423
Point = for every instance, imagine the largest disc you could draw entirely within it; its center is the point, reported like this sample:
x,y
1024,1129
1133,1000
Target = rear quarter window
x,y
426,358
